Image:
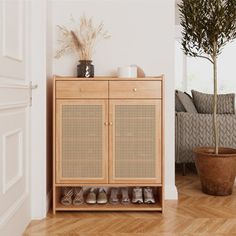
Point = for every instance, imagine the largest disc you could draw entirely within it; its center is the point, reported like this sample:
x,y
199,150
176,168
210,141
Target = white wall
x,y
196,73
143,34
38,109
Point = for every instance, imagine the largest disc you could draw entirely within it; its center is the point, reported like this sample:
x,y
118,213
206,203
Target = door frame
x,y
38,72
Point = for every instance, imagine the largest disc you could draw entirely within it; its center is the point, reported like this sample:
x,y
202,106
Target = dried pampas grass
x,y
80,39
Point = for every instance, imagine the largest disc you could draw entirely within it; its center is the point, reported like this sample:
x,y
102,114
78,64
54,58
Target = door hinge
x,y
31,87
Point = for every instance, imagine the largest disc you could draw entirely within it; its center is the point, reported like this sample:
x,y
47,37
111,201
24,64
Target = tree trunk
x,y
215,123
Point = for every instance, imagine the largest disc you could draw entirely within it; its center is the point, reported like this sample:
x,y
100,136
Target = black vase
x,y
85,69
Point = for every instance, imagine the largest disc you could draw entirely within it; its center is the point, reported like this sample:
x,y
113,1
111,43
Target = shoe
x,y
114,196
91,197
137,195
102,196
78,196
125,196
67,194
148,196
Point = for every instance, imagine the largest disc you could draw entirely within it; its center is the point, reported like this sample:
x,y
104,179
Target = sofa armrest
x,y
194,130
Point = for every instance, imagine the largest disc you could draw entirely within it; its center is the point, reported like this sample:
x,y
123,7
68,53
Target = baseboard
x,y
49,200
171,193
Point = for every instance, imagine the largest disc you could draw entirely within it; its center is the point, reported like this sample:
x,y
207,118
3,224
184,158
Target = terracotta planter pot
x,y
216,172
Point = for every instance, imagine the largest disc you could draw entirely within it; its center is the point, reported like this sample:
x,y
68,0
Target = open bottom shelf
x,y
110,207
157,207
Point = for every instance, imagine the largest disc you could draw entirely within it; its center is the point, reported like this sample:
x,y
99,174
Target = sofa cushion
x,y
204,103
186,101
178,105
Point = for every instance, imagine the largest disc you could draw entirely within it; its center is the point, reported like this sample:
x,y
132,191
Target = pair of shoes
x,y
93,197
68,193
138,193
124,196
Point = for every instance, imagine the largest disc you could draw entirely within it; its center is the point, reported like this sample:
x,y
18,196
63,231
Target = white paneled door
x,y
14,117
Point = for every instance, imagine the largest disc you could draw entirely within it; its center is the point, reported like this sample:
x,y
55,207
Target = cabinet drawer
x,y
81,89
135,89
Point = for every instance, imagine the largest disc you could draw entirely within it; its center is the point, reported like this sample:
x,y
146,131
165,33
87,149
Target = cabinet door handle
x,y
106,123
110,123
134,89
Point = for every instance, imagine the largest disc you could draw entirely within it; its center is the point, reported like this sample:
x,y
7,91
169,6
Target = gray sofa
x,y
194,129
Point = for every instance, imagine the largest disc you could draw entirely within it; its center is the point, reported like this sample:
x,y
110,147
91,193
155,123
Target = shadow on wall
x,y
49,138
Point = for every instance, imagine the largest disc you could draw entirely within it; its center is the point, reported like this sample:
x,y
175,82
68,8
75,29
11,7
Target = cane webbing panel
x,y
82,141
135,141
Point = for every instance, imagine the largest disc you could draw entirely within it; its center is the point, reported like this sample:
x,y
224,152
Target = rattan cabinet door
x,y
81,141
135,141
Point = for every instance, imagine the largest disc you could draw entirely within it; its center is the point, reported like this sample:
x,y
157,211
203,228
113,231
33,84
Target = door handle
x,y
32,87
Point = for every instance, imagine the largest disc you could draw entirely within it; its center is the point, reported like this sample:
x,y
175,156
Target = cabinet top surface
x,y
106,78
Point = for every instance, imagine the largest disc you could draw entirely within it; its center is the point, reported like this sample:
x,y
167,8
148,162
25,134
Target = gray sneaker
x,y
125,196
114,196
102,196
137,195
148,196
91,197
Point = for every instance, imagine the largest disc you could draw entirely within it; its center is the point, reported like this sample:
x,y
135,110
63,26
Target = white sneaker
x,y
137,196
148,196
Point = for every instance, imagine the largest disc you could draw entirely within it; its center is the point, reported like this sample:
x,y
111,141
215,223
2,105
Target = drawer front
x,y
135,89
81,89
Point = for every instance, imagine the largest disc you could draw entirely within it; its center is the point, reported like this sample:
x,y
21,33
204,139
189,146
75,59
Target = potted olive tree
x,y
208,25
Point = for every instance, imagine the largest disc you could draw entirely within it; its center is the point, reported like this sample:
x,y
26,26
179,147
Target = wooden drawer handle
x,y
134,89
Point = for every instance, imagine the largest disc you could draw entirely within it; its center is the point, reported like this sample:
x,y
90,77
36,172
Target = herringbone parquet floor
x,y
193,214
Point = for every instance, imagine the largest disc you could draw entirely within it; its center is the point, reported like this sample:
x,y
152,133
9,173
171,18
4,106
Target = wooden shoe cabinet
x,y
108,132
